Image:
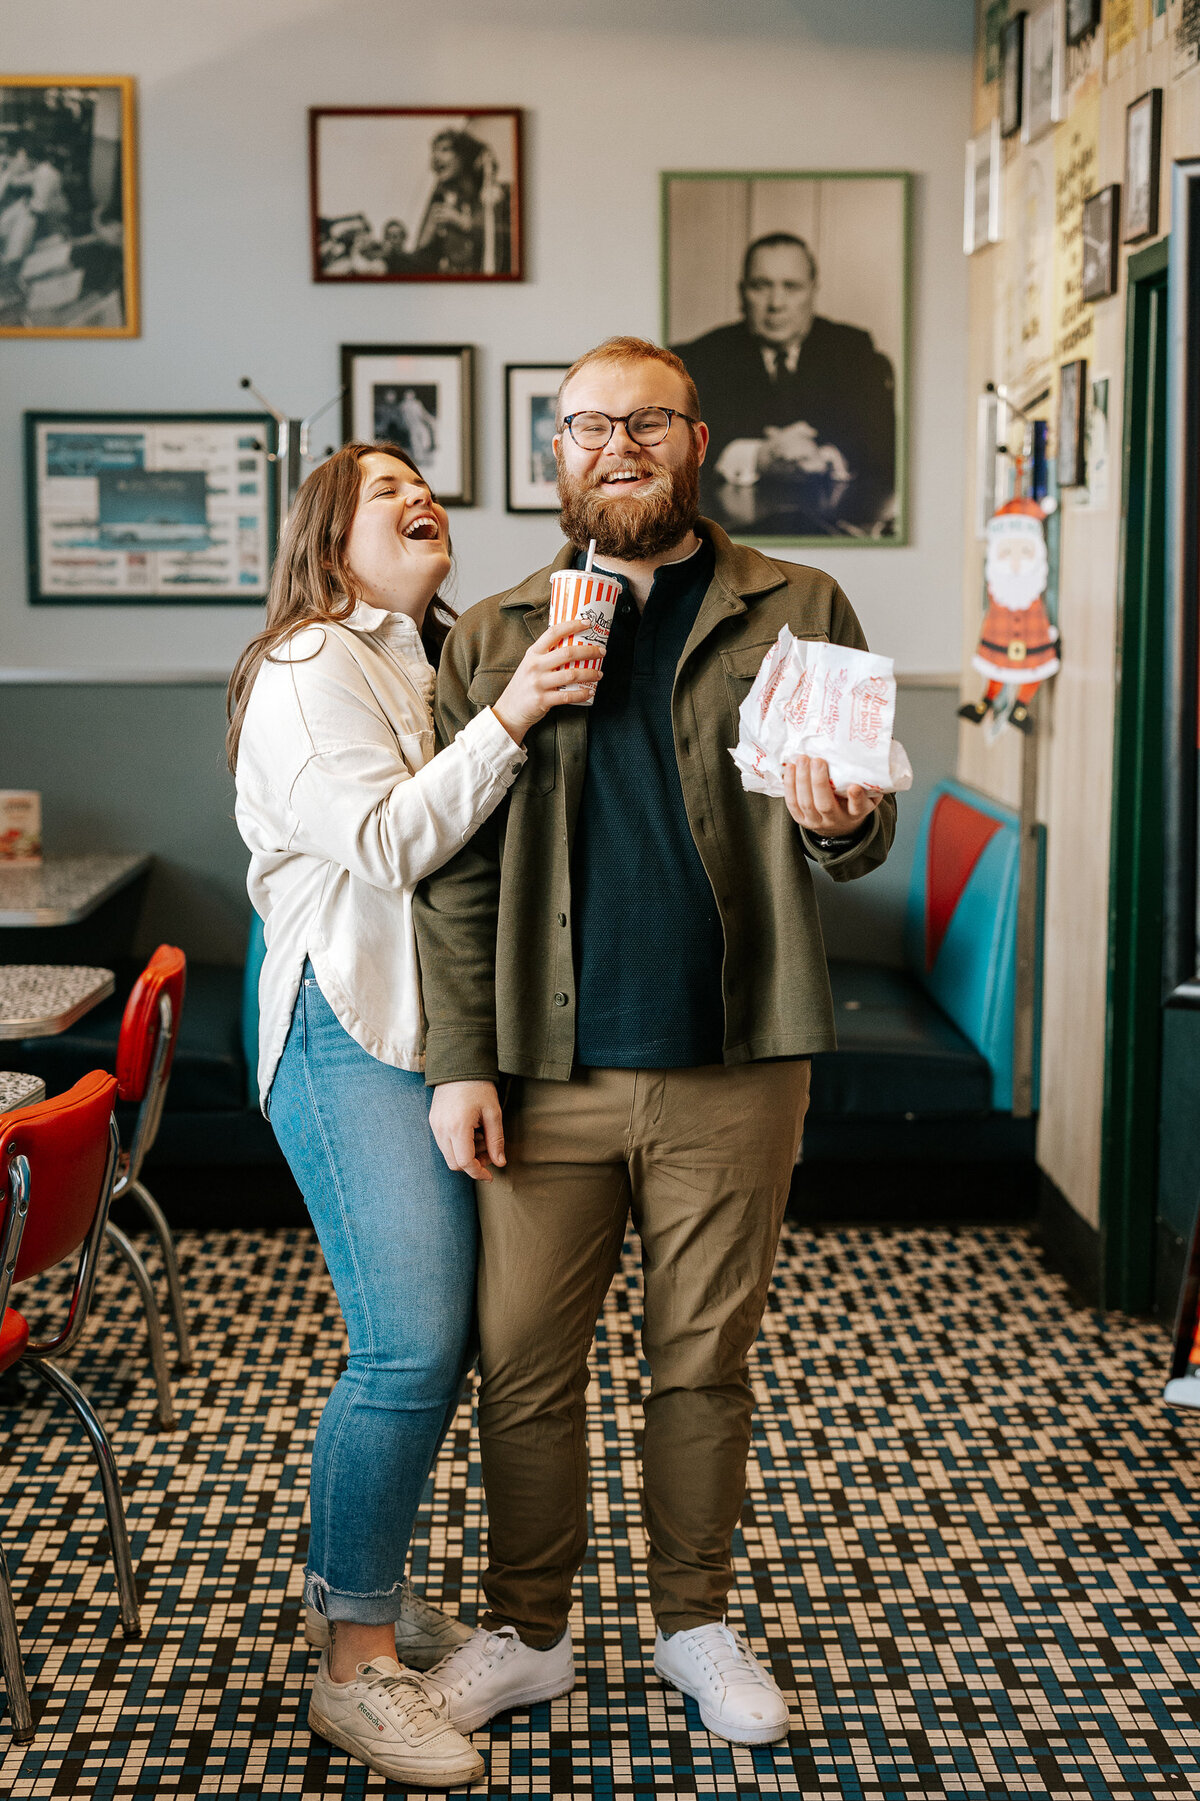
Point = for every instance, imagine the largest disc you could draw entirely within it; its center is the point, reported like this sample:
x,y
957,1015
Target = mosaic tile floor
x,y
970,1553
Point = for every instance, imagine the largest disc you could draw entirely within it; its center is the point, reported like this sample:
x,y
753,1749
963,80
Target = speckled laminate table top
x,y
17,1090
39,999
64,889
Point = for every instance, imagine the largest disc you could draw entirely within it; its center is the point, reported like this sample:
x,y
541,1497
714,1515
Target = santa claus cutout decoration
x,y
1018,646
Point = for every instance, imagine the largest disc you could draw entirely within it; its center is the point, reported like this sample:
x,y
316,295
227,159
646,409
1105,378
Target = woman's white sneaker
x,y
739,1700
424,1634
385,1719
494,1671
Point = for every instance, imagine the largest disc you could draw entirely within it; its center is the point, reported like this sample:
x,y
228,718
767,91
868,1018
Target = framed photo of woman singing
x,y
415,193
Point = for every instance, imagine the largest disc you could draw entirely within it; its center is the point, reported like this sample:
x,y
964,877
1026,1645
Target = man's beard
x,y
642,525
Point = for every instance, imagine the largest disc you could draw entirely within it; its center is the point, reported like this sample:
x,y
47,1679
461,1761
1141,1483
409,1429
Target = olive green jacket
x,y
494,923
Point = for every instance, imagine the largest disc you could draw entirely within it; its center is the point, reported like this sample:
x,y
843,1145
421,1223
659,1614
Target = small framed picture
x,y
415,193
1143,146
1044,51
981,197
1083,16
68,207
1072,403
531,396
134,509
420,397
1012,75
1101,242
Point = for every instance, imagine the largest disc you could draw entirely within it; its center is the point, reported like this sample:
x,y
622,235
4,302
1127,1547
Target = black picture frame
x,y
383,208
1072,411
1101,243
1082,18
1143,158
137,556
1012,76
420,397
530,475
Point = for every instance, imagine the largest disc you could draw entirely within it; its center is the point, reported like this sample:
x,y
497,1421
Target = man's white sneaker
x,y
494,1671
384,1718
424,1634
738,1699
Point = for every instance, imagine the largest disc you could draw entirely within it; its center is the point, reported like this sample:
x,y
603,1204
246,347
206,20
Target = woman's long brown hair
x,y
312,580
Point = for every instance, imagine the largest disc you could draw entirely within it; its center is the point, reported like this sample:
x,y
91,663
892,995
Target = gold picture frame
x,y
68,207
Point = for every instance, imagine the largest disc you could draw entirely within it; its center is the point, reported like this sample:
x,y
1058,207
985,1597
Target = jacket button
x,y
562,919
560,1000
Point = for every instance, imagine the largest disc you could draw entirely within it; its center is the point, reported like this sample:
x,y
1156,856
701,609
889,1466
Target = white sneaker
x,y
384,1718
424,1634
494,1671
739,1700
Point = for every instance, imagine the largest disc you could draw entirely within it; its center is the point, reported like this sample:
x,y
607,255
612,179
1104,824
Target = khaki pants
x,y
702,1158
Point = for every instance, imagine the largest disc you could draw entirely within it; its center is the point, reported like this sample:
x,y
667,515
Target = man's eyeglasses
x,y
649,425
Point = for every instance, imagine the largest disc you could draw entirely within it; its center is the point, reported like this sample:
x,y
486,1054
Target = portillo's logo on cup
x,y
589,598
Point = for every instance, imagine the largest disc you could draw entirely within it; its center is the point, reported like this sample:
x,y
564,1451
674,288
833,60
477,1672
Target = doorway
x,y
1133,1050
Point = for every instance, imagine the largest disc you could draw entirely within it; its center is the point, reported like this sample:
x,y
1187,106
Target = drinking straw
x,y
587,567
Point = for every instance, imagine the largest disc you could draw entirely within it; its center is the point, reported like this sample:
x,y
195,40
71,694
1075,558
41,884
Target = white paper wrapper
x,y
815,699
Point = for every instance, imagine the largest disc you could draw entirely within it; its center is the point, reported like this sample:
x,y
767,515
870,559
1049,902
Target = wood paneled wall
x,y
1077,715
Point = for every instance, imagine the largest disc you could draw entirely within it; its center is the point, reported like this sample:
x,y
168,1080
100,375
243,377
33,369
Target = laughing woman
x,y
345,807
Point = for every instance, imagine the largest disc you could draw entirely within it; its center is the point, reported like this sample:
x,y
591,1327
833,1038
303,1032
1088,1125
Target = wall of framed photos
x,y
225,268
1110,110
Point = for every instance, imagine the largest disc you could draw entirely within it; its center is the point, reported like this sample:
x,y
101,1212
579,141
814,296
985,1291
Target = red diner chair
x,y
58,1162
145,1048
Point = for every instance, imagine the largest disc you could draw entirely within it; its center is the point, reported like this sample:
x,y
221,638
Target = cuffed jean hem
x,y
381,1609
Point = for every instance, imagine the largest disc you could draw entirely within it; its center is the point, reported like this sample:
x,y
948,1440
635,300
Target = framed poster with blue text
x,y
130,509
68,207
787,296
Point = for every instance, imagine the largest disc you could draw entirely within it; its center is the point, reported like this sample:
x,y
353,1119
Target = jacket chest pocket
x,y
487,685
742,663
416,747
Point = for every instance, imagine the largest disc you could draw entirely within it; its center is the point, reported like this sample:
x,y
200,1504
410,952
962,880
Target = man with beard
x,y
630,948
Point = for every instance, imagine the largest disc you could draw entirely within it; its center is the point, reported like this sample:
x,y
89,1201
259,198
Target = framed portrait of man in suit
x,y
787,296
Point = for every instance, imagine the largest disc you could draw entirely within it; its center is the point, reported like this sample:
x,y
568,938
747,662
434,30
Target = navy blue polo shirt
x,y
648,941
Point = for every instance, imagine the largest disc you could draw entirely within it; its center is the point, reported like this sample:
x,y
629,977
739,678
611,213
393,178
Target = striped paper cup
x,y
591,598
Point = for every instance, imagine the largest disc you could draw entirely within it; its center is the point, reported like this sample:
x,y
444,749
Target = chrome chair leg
x,y
158,1349
10,1661
158,1219
118,1533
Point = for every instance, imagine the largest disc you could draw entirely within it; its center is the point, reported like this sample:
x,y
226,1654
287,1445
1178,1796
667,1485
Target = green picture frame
x,y
807,403
149,509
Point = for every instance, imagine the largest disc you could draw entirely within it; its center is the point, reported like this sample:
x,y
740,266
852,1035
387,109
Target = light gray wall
x,y
139,768
613,95
143,769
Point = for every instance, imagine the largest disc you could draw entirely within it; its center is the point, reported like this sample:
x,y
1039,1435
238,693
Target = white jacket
x,y
345,808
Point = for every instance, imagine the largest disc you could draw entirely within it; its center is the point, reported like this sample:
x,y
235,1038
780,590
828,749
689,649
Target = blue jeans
x,y
399,1233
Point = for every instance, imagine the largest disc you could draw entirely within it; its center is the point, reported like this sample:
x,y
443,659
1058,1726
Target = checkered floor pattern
x,y
970,1548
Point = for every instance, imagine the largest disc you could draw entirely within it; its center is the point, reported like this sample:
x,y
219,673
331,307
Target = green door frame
x,y
1133,1036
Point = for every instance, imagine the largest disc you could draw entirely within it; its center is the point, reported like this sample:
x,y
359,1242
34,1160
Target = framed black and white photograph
x,y
530,399
1143,148
420,397
68,207
1072,408
981,195
787,296
1012,75
1044,53
415,193
1101,243
1083,16
128,509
